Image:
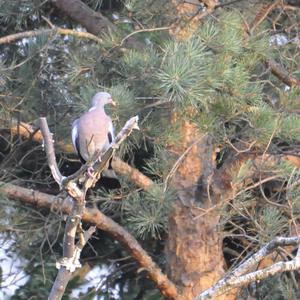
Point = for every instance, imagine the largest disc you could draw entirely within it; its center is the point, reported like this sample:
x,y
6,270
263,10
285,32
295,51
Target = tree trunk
x,y
194,247
194,250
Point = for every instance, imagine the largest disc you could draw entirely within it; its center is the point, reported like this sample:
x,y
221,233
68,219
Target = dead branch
x,y
71,254
238,278
278,71
69,262
102,222
50,152
64,275
28,131
265,10
53,31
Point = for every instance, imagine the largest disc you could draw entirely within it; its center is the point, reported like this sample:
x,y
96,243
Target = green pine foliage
x,y
272,223
147,212
219,72
20,13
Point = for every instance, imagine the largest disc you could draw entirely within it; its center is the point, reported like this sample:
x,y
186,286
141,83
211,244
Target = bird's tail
x,y
109,172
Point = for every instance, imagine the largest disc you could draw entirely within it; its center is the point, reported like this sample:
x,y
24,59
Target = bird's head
x,y
102,98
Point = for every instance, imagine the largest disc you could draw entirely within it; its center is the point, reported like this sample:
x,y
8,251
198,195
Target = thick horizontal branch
x,y
93,21
102,222
133,174
28,131
56,30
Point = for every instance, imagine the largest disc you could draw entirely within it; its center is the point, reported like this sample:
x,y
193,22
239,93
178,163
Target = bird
x,y
94,132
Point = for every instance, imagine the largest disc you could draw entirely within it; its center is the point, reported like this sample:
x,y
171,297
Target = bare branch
x,y
281,73
50,152
56,30
28,131
276,69
102,222
60,284
263,13
135,175
64,275
71,253
238,278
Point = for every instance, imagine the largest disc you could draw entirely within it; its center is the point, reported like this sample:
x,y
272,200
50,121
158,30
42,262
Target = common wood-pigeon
x,y
93,131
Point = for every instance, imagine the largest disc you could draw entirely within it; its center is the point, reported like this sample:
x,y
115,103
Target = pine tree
x,y
216,89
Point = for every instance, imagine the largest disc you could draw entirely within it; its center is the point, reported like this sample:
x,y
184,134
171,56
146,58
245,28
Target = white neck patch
x,y
92,108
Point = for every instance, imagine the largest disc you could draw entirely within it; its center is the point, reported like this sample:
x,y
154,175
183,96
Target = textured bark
x,y
94,22
194,251
189,16
194,247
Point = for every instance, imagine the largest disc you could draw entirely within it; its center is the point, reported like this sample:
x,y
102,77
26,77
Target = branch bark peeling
x,y
102,222
238,278
78,213
50,152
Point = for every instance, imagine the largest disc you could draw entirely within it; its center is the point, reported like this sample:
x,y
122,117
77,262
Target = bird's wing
x,y
75,134
92,132
75,139
110,133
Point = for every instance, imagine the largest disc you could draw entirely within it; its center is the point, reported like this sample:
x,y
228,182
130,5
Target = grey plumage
x,y
93,131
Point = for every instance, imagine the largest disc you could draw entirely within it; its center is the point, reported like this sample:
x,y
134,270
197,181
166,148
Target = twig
x,y
238,278
270,178
276,69
177,163
263,13
143,30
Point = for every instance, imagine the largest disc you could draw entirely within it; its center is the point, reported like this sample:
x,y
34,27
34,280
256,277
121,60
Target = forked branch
x,y
71,252
102,222
239,277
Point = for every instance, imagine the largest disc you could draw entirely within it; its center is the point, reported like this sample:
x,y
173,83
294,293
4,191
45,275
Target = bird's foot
x,y
90,171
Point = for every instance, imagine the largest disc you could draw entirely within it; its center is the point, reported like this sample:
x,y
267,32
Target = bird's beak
x,y
113,103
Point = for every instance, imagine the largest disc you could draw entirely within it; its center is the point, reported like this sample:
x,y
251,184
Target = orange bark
x,y
194,247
